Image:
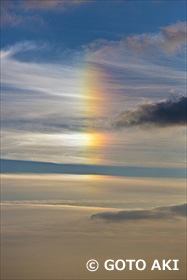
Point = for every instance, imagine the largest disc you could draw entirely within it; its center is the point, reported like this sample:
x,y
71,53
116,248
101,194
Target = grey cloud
x,y
11,16
173,36
161,114
159,213
11,9
48,4
180,210
169,39
8,14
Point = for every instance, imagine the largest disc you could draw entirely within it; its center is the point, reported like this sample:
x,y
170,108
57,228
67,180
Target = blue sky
x,y
89,20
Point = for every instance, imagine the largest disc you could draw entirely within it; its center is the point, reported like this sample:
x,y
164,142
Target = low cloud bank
x,y
161,114
159,213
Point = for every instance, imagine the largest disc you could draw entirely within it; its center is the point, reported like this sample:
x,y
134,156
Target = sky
x,y
93,98
87,82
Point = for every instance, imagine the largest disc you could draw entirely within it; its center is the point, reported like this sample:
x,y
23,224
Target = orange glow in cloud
x,y
94,139
94,108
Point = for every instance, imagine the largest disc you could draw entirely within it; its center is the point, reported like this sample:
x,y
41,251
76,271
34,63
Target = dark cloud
x,y
161,114
158,213
180,210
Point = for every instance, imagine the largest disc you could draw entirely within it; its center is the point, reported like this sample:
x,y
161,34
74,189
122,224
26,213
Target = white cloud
x,y
52,79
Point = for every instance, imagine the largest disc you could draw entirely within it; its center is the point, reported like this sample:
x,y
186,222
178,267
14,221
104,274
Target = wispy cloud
x,y
31,84
46,78
164,113
170,39
15,13
159,213
11,14
47,4
145,64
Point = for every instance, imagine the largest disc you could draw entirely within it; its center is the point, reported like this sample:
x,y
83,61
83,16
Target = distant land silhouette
x,y
35,167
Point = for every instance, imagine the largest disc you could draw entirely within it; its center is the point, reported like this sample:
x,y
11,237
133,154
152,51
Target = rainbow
x,y
94,108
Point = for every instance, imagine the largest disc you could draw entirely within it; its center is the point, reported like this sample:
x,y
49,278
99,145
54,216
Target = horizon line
x,y
9,166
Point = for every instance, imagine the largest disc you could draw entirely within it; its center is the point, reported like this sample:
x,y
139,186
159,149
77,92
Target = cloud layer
x,y
161,114
53,233
158,213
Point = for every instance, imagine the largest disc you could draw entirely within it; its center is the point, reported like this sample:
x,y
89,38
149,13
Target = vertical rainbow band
x,y
94,108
